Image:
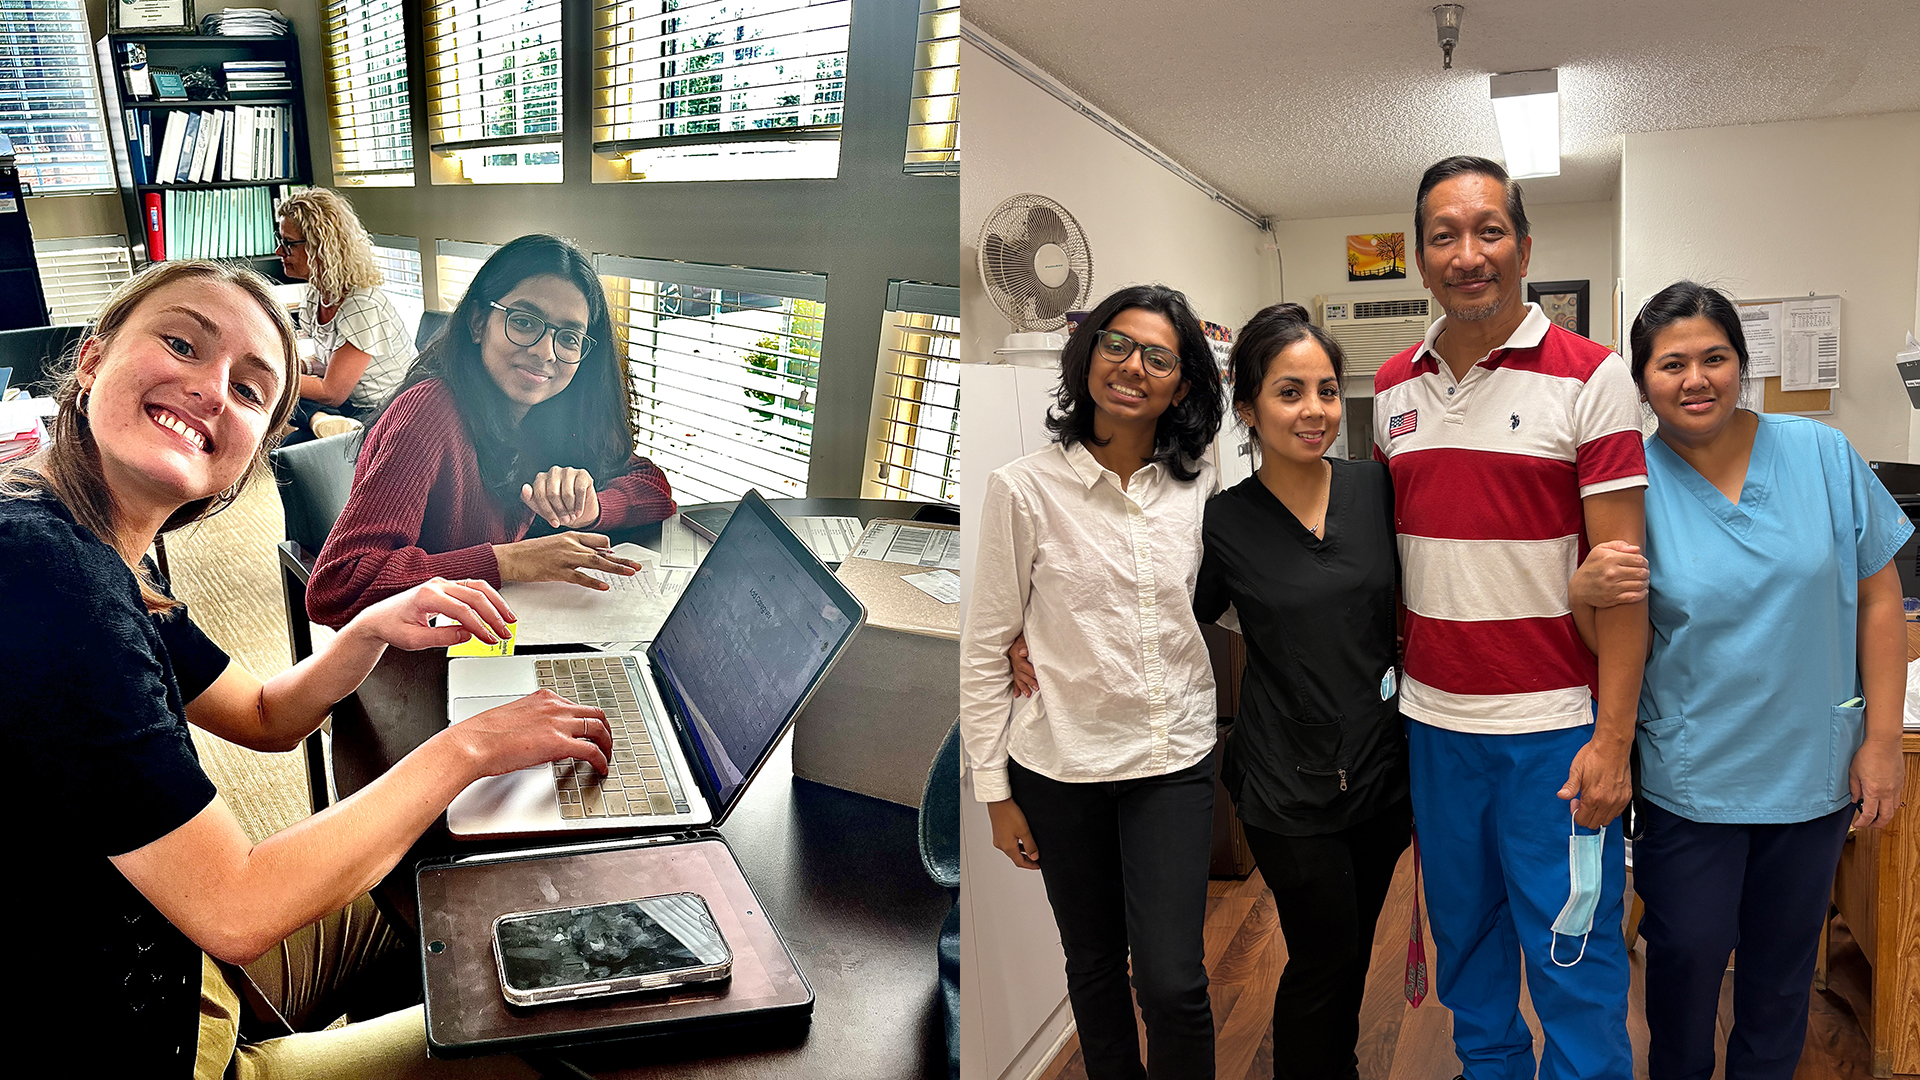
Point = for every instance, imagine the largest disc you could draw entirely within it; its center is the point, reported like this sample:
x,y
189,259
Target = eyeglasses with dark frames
x,y
525,329
1116,347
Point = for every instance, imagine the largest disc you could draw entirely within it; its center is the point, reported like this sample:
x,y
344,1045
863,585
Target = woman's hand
x,y
565,497
538,728
1614,573
1025,680
405,620
1875,778
562,557
1012,835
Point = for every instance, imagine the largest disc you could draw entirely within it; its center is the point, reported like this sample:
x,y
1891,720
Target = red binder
x,y
156,232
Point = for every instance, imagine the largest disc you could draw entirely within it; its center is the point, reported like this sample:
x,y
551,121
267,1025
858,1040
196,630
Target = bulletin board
x,y
1793,344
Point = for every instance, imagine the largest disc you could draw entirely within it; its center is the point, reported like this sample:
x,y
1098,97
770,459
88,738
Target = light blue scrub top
x,y
1754,612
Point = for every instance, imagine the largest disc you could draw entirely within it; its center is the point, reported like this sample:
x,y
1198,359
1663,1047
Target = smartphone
x,y
576,953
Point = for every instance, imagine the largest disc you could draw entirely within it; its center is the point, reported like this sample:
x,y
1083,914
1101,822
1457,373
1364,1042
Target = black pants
x,y
1329,891
1125,865
1710,888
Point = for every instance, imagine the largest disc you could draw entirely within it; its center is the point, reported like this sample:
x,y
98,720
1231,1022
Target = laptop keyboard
x,y
640,779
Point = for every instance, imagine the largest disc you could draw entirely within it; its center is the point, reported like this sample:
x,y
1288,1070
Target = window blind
x,y
50,97
726,365
914,445
455,262
494,84
78,273
367,99
721,89
399,260
933,124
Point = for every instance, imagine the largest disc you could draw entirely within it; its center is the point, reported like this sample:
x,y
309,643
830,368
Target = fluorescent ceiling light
x,y
1526,105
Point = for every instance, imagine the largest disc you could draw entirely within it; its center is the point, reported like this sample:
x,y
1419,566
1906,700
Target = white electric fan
x,y
1036,266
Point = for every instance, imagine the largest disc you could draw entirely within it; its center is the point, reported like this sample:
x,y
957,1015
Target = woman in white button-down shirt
x,y
1103,780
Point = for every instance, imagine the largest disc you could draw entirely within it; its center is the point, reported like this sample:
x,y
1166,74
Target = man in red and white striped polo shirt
x,y
1514,446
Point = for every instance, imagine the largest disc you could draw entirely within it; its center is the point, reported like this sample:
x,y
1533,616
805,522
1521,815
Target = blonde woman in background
x,y
363,345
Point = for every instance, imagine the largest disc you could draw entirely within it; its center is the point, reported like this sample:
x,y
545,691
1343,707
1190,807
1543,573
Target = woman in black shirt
x,y
1304,552
138,867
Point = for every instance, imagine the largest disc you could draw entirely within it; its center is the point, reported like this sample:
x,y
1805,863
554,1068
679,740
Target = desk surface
x,y
839,873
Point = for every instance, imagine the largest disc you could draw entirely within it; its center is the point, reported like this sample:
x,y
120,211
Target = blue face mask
x,y
1583,899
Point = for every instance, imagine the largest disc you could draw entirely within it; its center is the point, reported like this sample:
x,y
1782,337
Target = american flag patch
x,y
1403,423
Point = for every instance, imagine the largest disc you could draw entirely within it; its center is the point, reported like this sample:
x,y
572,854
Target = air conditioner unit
x,y
1371,328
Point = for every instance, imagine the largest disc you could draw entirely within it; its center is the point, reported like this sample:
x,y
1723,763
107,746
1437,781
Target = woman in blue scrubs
x,y
1775,610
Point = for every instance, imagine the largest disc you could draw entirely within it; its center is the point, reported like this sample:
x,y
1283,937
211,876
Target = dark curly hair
x,y
1188,426
1684,300
589,425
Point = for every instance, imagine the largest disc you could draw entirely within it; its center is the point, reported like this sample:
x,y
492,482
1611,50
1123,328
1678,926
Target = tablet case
x,y
459,899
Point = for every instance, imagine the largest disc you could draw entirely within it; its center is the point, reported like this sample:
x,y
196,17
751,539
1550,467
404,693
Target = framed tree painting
x,y
1377,257
1566,304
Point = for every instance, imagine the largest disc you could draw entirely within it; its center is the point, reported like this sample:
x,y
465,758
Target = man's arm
x,y
1598,781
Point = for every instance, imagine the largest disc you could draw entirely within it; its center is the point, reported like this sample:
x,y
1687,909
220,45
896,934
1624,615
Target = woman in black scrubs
x,y
1304,551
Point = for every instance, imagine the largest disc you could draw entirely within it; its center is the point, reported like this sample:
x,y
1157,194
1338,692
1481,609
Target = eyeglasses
x,y
525,329
286,245
1117,347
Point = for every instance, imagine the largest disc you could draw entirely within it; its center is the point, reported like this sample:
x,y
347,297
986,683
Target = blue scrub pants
x,y
1493,837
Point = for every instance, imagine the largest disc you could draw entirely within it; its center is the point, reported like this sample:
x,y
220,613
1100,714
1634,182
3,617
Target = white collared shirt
x,y
1099,576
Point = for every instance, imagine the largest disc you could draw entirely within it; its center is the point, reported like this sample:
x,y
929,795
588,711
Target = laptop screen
x,y
752,635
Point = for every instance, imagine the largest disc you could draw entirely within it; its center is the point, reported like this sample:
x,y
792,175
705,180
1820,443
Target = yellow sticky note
x,y
473,646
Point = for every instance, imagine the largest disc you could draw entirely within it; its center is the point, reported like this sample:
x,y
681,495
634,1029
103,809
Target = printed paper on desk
x,y
942,585
562,613
914,545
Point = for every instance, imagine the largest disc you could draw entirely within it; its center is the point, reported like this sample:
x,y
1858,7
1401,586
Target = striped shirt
x,y
1488,475
366,320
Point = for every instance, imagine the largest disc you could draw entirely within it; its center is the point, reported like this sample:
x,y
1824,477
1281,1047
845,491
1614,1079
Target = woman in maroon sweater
x,y
520,408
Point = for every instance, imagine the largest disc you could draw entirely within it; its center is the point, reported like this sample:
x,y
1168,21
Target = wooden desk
x,y
1877,890
839,873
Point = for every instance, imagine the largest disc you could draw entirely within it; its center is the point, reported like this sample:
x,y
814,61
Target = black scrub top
x,y
1318,745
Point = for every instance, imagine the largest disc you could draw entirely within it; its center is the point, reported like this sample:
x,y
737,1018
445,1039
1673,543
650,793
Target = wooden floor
x,y
1246,952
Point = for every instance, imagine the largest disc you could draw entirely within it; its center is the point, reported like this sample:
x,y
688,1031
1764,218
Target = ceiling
x,y
1324,108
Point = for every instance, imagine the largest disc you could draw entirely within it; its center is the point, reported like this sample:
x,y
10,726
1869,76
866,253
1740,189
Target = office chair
x,y
938,514
940,854
313,478
34,350
431,323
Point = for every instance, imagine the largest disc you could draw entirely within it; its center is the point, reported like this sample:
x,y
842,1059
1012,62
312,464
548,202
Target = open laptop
x,y
756,631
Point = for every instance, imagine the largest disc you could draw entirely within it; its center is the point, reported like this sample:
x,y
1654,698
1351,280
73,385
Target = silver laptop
x,y
756,631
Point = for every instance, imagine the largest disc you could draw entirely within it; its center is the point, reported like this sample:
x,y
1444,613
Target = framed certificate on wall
x,y
150,16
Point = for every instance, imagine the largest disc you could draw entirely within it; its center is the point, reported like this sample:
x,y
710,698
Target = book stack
x,y
198,146
246,22
256,76
228,223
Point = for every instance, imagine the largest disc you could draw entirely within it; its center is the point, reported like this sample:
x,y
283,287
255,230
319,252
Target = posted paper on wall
x,y
1761,325
1810,353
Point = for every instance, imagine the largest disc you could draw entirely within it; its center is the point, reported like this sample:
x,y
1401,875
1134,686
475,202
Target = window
x,y
455,262
80,272
399,261
726,363
914,446
493,73
50,97
367,93
720,89
933,124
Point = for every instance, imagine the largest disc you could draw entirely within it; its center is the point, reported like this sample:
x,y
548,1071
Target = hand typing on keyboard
x,y
639,779
538,728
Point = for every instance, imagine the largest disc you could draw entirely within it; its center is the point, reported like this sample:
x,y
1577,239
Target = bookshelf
x,y
137,124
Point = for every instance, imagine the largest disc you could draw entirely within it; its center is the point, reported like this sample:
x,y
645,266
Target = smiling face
x,y
1470,258
1127,395
1693,379
1297,413
179,398
295,250
530,374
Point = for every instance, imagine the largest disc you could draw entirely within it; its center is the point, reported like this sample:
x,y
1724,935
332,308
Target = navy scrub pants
x,y
1125,865
1493,835
1711,889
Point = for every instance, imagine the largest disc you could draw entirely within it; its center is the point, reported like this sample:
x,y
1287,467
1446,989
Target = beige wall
x,y
1814,206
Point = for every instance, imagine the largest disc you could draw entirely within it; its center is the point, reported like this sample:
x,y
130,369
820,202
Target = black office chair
x,y
431,323
314,478
33,351
940,854
938,514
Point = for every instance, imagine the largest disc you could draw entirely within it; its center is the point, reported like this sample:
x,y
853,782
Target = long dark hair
x,y
1271,331
1185,429
589,425
1684,300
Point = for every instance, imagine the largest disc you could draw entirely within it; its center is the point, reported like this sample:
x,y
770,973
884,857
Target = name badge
x,y
1388,684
